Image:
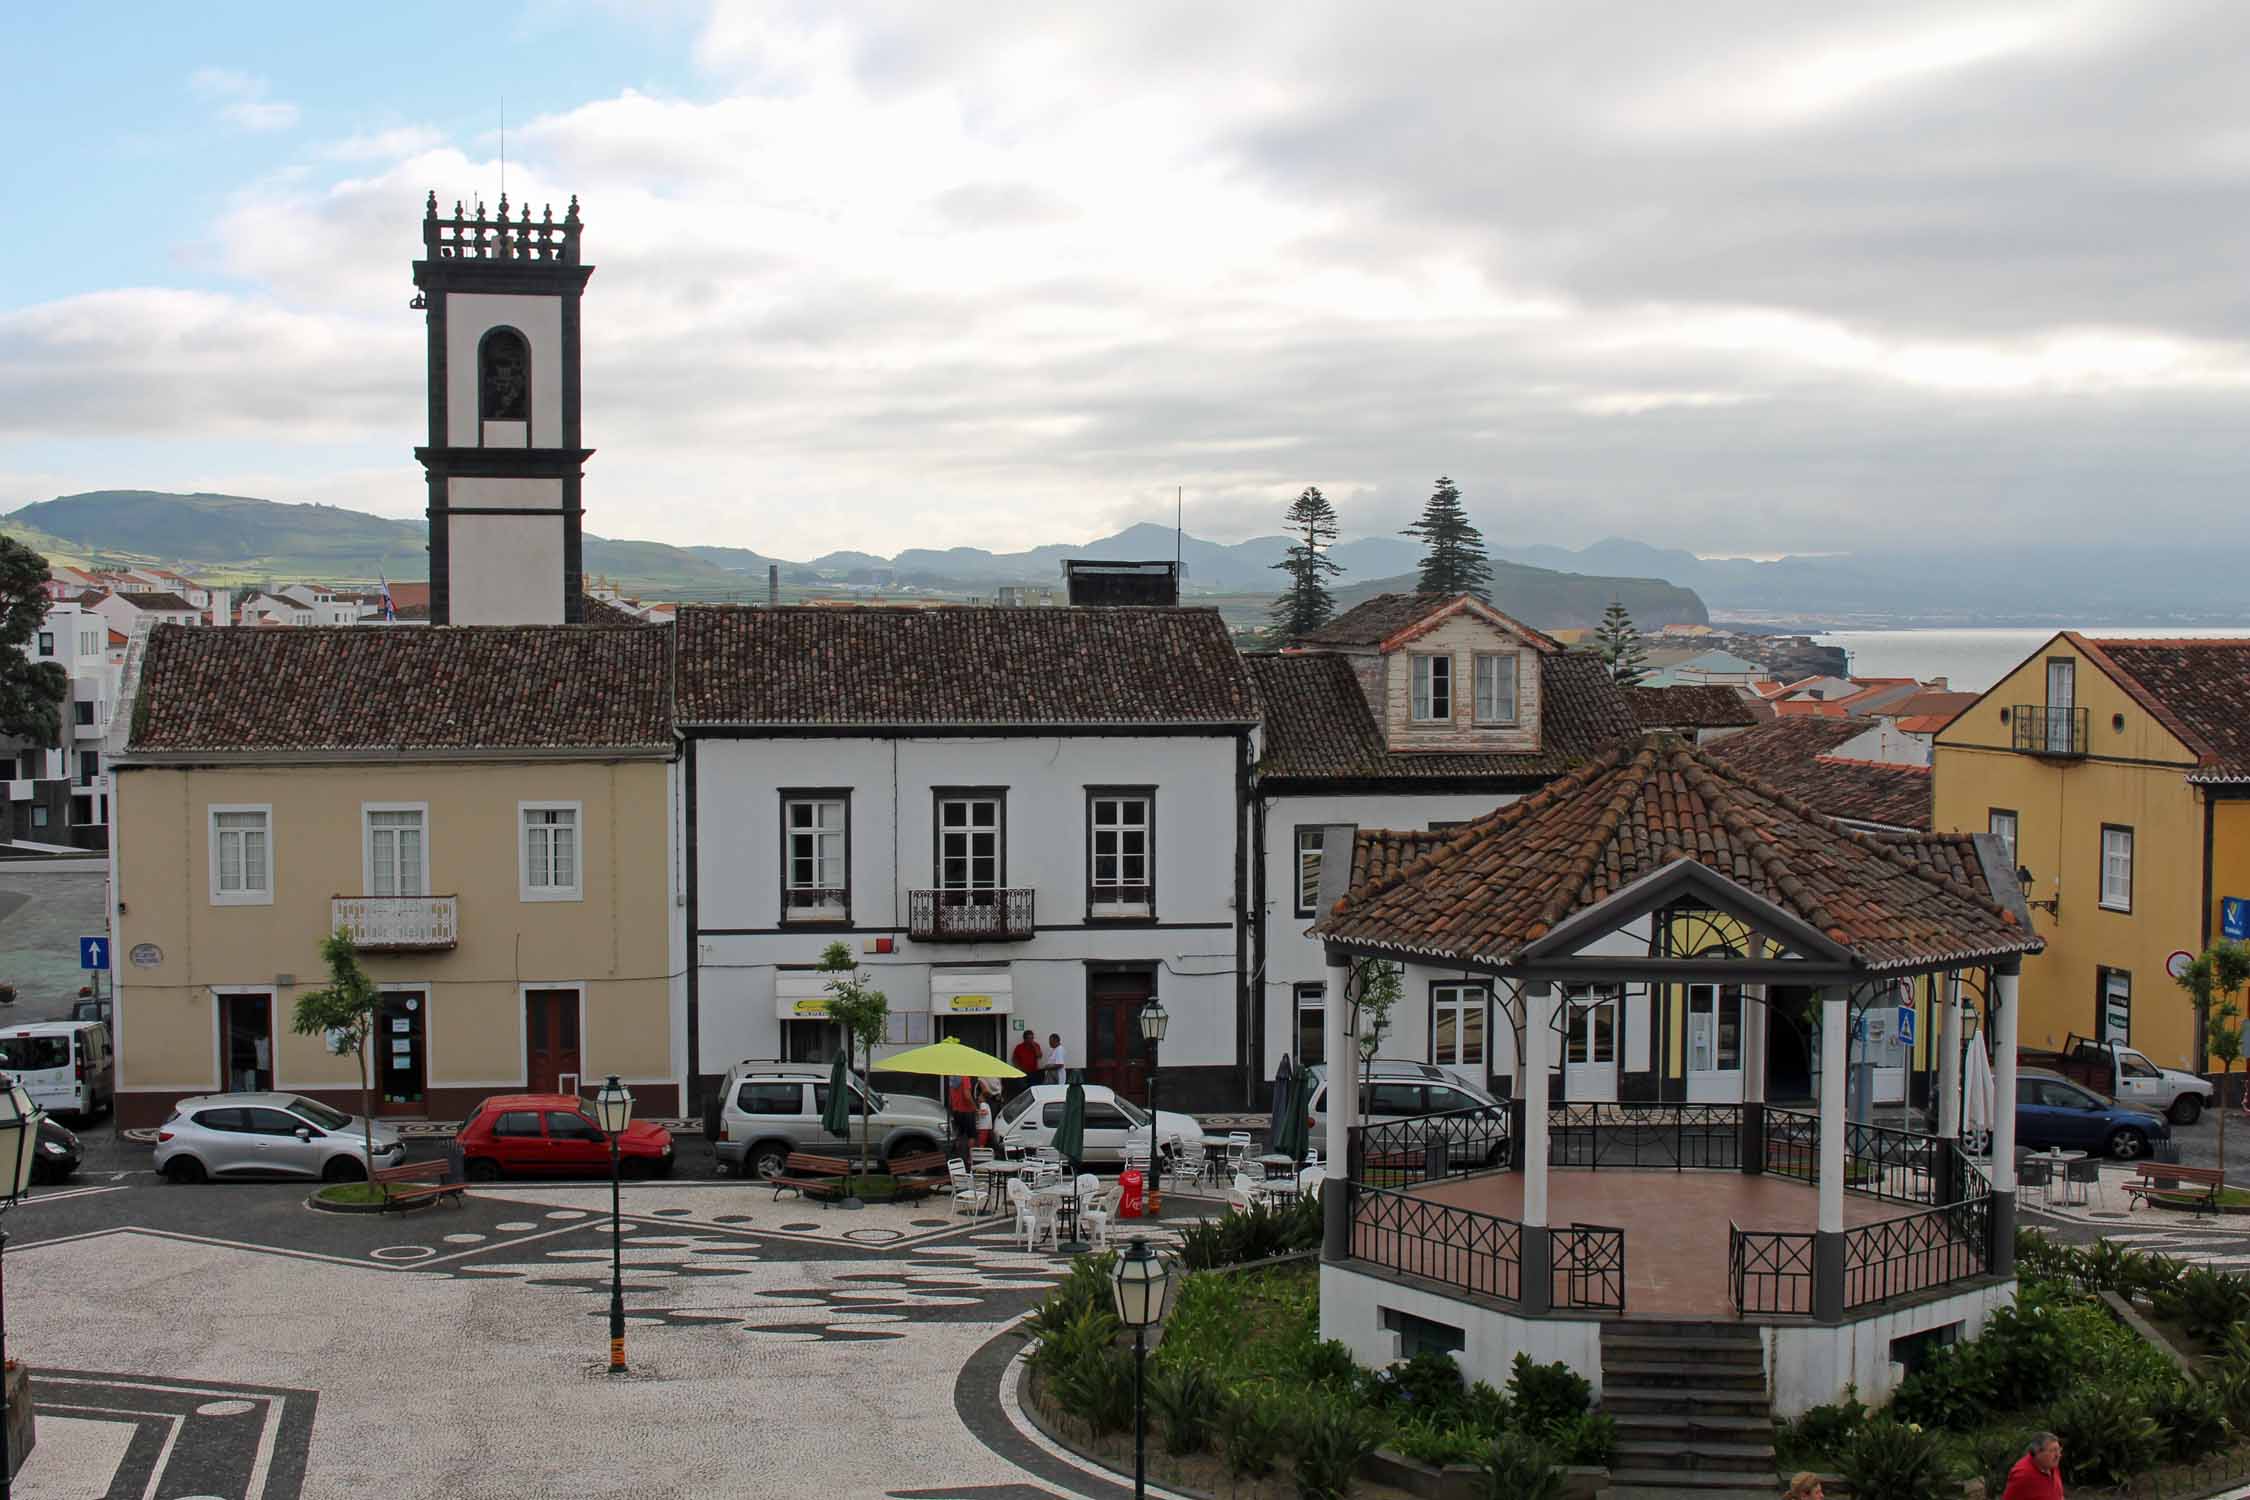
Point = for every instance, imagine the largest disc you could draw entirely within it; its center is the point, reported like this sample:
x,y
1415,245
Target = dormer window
x,y
1433,689
1496,687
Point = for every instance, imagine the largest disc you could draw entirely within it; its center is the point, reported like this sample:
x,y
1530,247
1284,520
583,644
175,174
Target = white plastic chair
x,y
1188,1162
1035,1217
968,1193
1238,1150
1095,1218
1247,1191
979,1155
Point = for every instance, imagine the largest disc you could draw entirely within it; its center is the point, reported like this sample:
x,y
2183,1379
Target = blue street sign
x,y
1906,1025
2234,916
93,953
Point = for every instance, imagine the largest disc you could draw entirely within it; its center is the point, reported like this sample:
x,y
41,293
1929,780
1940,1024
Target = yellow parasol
x,y
949,1058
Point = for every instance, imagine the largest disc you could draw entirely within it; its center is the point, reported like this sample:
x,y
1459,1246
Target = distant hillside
x,y
235,531
1549,600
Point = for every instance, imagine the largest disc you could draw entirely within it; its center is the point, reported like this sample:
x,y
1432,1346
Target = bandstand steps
x,y
1692,1411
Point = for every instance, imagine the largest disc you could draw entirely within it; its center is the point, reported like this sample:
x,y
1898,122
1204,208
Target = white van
x,y
65,1066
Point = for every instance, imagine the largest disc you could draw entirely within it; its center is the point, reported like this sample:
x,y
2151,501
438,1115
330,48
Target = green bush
x,y
1430,1443
1085,1289
1541,1394
2108,1434
1250,1431
1888,1460
2206,1303
1956,1388
1330,1435
1329,1363
1485,1408
1517,1467
1255,1233
1992,1454
1824,1430
1588,1438
2191,1417
1185,1399
1096,1388
1245,1327
1428,1384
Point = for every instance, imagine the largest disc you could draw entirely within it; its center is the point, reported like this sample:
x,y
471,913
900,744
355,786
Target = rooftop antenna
x,y
1179,530
503,148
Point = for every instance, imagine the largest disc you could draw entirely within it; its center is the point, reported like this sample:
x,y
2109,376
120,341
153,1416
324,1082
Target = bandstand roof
x,y
1660,824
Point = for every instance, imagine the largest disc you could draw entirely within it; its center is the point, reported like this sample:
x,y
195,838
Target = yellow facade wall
x,y
2134,775
2230,850
612,943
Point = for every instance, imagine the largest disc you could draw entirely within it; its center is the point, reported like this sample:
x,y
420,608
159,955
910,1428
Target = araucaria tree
x,y
1453,560
1618,643
863,1011
31,692
345,1011
1305,606
2212,981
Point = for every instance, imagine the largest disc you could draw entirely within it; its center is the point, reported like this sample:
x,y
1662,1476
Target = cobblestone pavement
x,y
229,1341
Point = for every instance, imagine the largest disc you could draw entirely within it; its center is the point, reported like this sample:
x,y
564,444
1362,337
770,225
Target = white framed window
x,y
970,853
2117,868
1496,687
551,862
1312,1023
398,848
815,856
1120,873
241,854
89,643
2001,824
1309,840
1457,1016
1433,688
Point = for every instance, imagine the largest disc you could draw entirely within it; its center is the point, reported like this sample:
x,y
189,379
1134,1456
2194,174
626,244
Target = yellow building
x,y
485,808
2117,773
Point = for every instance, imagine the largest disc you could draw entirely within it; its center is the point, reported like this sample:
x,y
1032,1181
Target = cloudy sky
x,y
1742,277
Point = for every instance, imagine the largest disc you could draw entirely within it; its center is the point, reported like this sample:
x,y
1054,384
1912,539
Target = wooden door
x,y
246,1043
550,1031
1115,1054
400,1054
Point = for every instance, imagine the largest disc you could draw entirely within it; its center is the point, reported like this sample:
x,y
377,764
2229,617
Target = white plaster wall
x,y
1808,1366
1351,1310
505,494
507,570
539,319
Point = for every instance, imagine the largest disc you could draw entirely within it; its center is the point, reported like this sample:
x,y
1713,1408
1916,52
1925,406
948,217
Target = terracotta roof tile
x,y
959,666
1690,706
155,600
1386,615
1318,725
349,688
1500,883
2199,689
1793,753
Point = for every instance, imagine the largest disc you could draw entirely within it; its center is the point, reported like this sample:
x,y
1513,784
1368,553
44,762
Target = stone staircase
x,y
1692,1411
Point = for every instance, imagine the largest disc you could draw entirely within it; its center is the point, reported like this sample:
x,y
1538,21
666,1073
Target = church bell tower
x,y
503,461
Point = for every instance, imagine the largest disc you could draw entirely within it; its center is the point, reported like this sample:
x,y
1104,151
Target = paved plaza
x,y
228,1341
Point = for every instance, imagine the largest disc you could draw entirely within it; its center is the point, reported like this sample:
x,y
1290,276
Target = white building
x,y
1017,819
59,793
1411,713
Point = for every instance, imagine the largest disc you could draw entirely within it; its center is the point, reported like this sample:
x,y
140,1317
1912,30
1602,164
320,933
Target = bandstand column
x,y
1755,1020
1828,1241
1340,1045
2003,1026
1948,1009
1536,1293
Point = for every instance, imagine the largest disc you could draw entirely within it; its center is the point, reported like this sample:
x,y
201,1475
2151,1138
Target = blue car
x,y
2051,1111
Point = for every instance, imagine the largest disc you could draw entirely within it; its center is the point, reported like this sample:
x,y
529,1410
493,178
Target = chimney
x,y
773,585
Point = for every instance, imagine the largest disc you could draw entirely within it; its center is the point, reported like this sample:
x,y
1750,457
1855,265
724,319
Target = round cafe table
x,y
996,1174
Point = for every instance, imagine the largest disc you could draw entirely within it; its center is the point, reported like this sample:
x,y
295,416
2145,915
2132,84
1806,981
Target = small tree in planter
x,y
2212,981
1377,982
345,1011
863,1011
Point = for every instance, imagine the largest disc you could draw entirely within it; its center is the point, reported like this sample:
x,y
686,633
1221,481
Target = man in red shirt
x,y
2038,1474
961,1103
1026,1056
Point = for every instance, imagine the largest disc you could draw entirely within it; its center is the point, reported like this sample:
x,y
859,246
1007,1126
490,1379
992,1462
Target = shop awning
x,y
801,994
971,992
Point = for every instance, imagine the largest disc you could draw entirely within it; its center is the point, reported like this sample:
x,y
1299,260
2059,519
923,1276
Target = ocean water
x,y
1970,660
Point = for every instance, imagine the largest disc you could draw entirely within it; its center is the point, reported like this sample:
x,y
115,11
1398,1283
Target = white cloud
x,y
384,145
240,99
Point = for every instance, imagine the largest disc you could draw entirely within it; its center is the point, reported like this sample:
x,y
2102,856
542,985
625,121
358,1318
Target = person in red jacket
x,y
1026,1056
2038,1474
961,1103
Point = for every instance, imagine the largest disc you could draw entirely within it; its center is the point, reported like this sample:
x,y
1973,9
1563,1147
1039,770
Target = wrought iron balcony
x,y
998,914
398,924
2041,730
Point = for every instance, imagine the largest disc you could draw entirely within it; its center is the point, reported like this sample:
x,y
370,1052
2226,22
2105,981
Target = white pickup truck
x,y
2126,1075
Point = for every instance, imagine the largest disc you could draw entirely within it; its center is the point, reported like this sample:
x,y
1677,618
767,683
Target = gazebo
x,y
1842,1242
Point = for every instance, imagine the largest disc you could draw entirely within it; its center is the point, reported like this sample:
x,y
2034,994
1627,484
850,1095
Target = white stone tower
x,y
504,461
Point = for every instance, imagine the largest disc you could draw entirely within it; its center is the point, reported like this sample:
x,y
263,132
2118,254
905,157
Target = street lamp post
x,y
19,1148
1154,1019
1141,1284
614,1106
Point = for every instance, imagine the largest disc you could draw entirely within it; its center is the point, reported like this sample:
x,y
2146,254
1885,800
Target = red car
x,y
554,1135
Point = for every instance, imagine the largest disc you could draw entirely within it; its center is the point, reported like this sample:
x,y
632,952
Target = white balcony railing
x,y
397,923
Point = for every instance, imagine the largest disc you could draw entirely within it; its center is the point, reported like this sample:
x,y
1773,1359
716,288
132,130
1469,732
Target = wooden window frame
x,y
1515,683
796,916
1297,852
211,823
2015,838
2101,868
939,796
1414,665
1458,1006
1123,912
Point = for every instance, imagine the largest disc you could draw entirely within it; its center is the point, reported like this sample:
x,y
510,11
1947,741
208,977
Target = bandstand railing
x,y
1678,1136
1428,1148
1769,1270
1472,1252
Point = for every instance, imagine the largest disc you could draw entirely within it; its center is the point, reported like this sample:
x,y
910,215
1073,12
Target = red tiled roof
x,y
1503,882
347,688
1932,703
1384,854
959,666
155,600
1793,754
1690,706
602,612
1387,616
1318,724
2198,689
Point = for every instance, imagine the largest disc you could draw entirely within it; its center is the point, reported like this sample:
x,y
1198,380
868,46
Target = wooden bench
x,y
811,1176
2170,1186
417,1182
921,1174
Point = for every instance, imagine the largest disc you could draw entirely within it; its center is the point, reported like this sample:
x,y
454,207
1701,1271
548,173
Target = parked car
x,y
65,1066
2052,1111
554,1135
59,1153
2126,1075
766,1110
268,1135
1113,1125
1394,1091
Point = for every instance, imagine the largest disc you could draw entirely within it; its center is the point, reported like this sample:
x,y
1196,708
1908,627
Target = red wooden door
x,y
550,1029
1114,1051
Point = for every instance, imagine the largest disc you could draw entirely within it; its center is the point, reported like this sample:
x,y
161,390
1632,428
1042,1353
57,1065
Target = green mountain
x,y
1547,600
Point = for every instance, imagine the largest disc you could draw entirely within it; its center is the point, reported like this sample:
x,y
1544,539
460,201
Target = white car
x,y
1029,1120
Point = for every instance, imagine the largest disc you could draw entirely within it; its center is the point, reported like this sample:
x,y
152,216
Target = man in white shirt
x,y
1058,1060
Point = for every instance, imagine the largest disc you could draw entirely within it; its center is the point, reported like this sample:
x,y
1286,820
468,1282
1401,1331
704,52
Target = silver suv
x,y
1392,1091
768,1109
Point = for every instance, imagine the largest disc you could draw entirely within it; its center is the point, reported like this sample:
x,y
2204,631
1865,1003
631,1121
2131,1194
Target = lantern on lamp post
x,y
1141,1285
1153,1018
613,1106
19,1148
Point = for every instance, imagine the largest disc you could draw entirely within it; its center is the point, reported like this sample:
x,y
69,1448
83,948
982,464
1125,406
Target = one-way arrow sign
x,y
93,953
